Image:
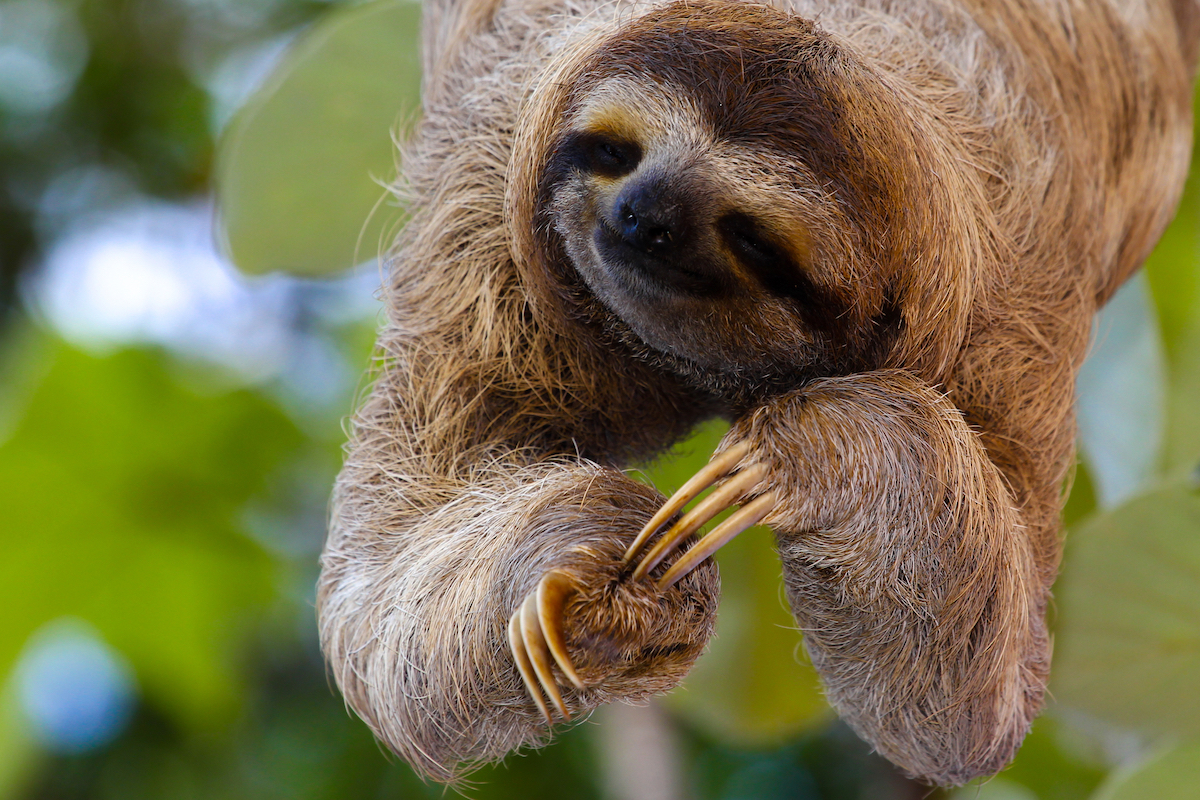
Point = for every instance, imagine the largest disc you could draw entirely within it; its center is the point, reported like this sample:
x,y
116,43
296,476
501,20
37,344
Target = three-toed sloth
x,y
872,234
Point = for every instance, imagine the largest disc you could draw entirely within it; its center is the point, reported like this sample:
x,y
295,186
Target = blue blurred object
x,y
76,692
1121,404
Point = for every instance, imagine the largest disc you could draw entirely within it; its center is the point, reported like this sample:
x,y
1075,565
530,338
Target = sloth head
x,y
740,196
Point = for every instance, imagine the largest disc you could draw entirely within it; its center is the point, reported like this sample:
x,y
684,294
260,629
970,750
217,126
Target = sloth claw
x,y
516,641
552,594
713,471
745,517
729,492
539,652
535,636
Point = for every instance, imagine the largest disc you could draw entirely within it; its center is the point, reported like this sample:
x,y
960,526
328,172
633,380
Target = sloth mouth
x,y
639,271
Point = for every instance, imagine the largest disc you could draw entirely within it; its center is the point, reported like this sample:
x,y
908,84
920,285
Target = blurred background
x,y
170,425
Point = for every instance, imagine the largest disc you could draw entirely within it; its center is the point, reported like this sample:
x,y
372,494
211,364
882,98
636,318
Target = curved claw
x,y
745,517
712,472
539,653
552,594
535,636
516,642
722,498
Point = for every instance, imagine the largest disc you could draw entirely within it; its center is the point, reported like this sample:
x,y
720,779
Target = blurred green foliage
x,y
177,509
304,164
132,97
1173,772
1128,647
129,489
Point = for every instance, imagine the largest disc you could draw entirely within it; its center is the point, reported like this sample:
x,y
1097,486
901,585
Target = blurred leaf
x,y
1173,268
1171,775
122,493
999,788
1182,451
1128,642
1081,500
753,686
1047,769
300,167
1121,396
22,366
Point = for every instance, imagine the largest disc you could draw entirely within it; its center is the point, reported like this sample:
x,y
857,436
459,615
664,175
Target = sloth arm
x,y
906,565
466,482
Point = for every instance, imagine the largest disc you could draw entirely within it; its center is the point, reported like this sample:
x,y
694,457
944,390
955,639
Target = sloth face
x,y
682,235
714,195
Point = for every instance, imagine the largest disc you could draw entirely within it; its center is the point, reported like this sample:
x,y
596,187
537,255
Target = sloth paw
x,y
589,634
535,635
736,479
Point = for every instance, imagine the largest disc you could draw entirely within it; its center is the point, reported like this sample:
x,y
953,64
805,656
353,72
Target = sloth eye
x,y
604,155
742,237
769,261
751,245
611,155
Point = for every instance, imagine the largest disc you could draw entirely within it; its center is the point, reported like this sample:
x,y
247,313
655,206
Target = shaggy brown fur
x,y
901,217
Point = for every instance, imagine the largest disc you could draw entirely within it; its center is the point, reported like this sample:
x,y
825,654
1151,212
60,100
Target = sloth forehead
x,y
748,70
748,83
652,115
671,128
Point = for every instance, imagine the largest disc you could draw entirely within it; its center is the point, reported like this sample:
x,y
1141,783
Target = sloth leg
x,y
907,565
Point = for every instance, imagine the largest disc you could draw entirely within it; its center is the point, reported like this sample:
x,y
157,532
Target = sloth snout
x,y
651,219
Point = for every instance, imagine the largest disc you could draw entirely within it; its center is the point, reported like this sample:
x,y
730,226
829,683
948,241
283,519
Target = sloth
x,y
870,234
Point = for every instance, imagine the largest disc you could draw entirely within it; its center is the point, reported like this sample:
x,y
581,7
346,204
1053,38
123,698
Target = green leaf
x,y
1172,774
1182,445
1173,268
301,169
1081,500
1047,766
1127,648
122,497
18,754
994,789
754,686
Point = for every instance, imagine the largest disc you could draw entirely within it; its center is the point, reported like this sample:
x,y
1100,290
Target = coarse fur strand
x,y
968,181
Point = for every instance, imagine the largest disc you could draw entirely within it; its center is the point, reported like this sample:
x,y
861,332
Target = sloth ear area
x,y
602,154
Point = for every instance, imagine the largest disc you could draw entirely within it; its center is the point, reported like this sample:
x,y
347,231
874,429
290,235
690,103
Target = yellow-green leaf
x,y
1128,643
1172,774
302,167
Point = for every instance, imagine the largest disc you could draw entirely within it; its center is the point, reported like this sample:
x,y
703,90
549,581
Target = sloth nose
x,y
648,218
